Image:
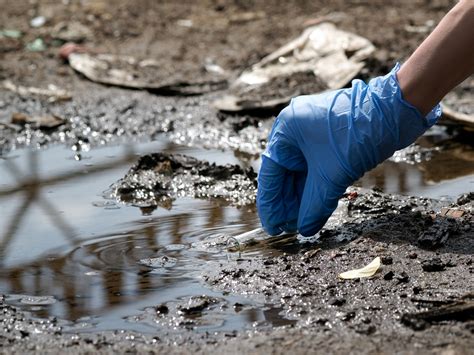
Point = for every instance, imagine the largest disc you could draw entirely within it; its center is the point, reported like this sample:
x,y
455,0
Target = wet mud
x,y
102,275
302,83
158,179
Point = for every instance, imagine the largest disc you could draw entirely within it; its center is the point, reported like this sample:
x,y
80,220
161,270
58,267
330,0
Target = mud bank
x,y
157,179
426,249
419,302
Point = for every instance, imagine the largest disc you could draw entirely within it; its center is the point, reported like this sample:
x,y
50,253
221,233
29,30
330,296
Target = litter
x,y
11,34
37,45
52,92
38,21
322,58
366,271
147,74
45,121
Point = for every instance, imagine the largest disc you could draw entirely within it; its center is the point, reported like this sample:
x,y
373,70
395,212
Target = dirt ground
x,y
426,254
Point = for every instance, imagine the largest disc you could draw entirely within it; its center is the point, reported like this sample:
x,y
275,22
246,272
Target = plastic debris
x,y
44,121
147,74
38,21
322,58
37,45
52,92
366,271
11,33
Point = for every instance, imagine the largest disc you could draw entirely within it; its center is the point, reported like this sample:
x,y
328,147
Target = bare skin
x,y
442,61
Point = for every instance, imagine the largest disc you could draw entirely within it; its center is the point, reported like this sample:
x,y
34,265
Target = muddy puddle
x,y
68,251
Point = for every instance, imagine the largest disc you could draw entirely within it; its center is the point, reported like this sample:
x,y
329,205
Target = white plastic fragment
x,y
38,21
367,271
332,55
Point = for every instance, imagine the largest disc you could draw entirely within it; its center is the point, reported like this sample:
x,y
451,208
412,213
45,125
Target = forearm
x,y
442,61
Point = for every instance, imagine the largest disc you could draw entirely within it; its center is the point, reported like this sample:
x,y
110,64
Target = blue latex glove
x,y
321,144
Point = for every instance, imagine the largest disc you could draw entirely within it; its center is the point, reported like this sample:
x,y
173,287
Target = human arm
x,y
442,61
321,144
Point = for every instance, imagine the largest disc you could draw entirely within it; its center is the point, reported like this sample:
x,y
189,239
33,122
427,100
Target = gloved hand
x,y
321,144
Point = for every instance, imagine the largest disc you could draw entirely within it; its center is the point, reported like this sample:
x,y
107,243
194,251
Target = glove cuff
x,y
431,118
402,121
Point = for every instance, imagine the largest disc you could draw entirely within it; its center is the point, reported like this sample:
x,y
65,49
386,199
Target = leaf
x,y
366,271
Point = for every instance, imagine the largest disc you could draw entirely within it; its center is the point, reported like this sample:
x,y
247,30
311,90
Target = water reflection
x,y
57,242
61,238
447,172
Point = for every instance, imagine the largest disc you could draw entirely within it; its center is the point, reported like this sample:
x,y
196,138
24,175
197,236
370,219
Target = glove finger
x,y
319,201
291,201
272,191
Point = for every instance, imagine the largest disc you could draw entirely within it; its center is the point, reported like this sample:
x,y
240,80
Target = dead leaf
x,y
366,271
46,121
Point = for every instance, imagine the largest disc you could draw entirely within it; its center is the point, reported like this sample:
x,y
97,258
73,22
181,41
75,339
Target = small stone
x,y
433,265
386,260
403,278
337,302
161,309
388,276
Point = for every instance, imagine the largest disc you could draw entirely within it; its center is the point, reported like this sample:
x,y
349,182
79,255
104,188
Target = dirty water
x,y
68,252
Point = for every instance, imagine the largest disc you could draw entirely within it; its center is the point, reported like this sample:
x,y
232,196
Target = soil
x,y
426,255
301,83
229,34
418,301
158,179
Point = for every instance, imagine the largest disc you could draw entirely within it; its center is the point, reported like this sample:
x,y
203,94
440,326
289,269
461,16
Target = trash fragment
x,y
185,23
37,45
46,121
52,92
71,32
322,58
366,271
425,28
38,21
246,17
147,74
10,33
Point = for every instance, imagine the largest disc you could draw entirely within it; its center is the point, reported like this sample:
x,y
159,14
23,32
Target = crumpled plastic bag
x,y
322,58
